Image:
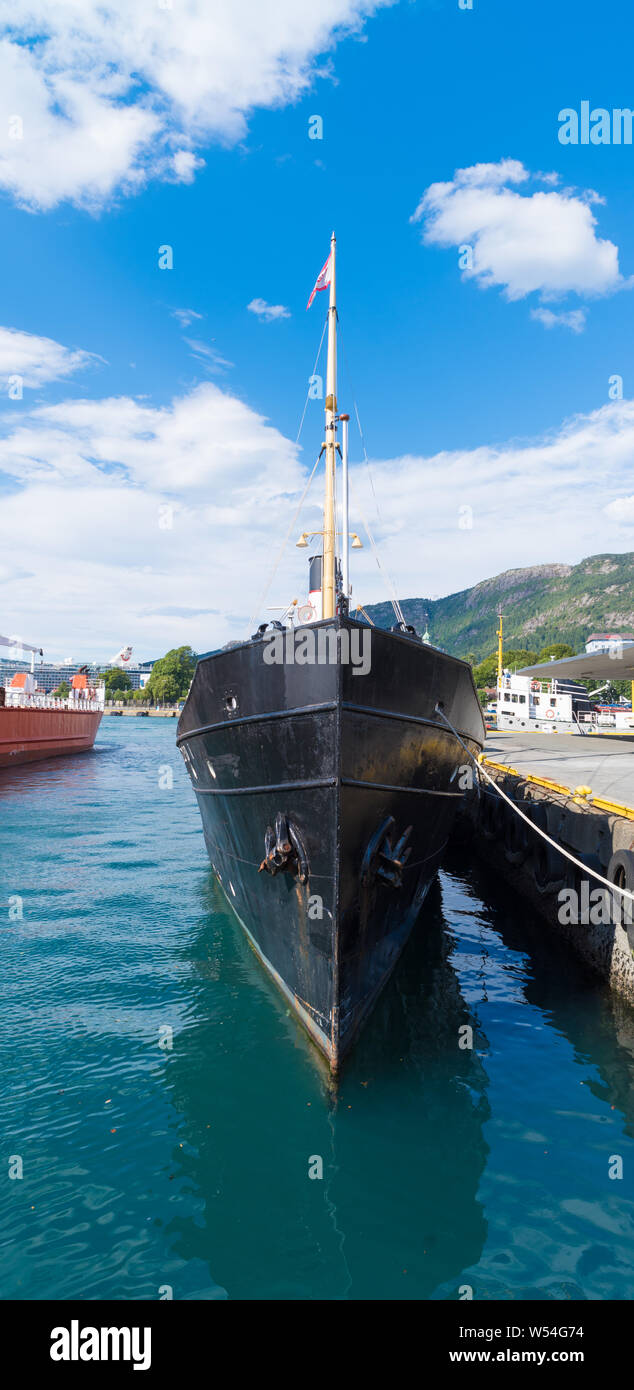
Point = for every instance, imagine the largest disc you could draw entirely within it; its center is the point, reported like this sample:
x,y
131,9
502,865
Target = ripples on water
x,y
146,1167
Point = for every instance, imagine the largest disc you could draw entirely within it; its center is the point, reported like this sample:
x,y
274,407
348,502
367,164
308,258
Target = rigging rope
x,y
321,343
398,612
283,546
385,575
265,591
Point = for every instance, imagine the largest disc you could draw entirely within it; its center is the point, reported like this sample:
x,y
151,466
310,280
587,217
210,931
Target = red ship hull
x,y
27,735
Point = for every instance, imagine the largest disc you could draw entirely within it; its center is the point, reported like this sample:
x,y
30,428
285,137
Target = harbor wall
x,y
571,902
133,711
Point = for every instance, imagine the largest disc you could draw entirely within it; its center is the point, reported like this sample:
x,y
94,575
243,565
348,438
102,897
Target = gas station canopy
x,y
615,662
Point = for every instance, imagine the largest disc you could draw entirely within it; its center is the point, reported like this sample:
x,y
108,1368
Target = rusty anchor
x,y
284,849
386,856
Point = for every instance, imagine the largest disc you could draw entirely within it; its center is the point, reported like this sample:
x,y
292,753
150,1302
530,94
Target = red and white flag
x,y
323,279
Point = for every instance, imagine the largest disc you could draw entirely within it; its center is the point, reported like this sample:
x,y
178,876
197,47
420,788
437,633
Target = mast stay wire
x,y
385,574
265,591
398,612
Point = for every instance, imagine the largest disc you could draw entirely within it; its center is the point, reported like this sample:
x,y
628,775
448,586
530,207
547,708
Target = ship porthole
x,y
231,704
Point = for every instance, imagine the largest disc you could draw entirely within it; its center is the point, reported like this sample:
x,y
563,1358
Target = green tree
x,y
172,676
513,660
63,691
557,649
484,672
116,680
165,689
613,693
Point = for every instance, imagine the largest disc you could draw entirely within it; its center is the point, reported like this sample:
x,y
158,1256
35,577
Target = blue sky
x,y
486,408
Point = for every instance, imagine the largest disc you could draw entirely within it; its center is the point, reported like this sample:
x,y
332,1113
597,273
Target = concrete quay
x,y
580,791
129,711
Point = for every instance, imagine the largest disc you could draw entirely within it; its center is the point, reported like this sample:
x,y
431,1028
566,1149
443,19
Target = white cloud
x,y
86,480
557,498
185,164
84,483
97,97
621,510
574,319
268,312
538,242
208,355
192,447
185,316
38,360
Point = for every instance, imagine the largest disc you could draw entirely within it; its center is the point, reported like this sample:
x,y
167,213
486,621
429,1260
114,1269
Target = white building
x,y
607,641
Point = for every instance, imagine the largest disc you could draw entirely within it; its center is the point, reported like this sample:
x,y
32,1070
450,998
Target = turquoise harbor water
x,y
147,1167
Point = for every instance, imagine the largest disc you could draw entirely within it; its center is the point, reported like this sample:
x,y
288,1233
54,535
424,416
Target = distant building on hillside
x,y
603,641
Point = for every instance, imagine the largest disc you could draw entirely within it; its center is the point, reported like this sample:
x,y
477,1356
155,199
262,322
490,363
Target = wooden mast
x,y
329,598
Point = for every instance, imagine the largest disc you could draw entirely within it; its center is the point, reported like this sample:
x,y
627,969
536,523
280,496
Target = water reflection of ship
x,y
597,1024
397,1214
73,774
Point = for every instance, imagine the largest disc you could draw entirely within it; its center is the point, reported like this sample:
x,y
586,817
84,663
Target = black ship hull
x,y
327,791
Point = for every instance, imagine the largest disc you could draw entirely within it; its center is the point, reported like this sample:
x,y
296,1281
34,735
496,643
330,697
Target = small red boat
x,y
35,725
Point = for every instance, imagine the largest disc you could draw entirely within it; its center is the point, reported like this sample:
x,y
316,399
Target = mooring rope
x,y
614,888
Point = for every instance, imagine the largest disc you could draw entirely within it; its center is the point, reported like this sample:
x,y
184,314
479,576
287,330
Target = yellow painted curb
x,y
615,807
550,786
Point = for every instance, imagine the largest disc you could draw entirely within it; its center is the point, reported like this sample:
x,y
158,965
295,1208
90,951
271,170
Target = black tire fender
x,y
498,815
488,814
516,833
549,867
621,872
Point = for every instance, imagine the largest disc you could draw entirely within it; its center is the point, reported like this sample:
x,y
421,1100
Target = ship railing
x,y
24,699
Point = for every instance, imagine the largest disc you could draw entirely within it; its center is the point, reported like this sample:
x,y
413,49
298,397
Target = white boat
x,y
619,718
541,705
